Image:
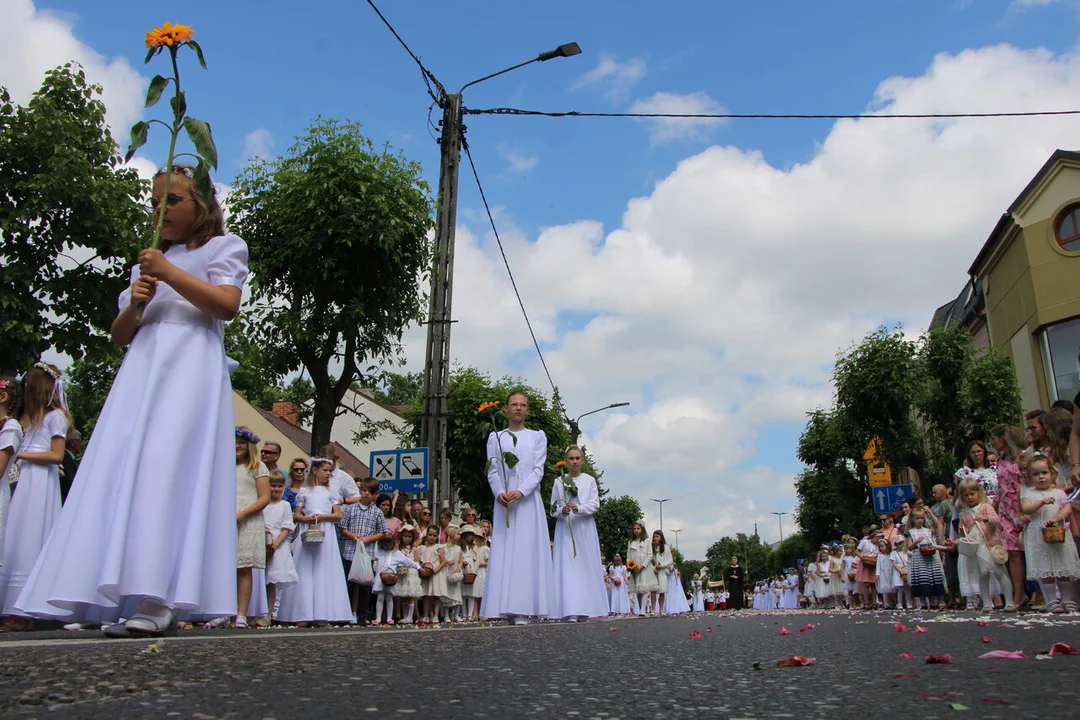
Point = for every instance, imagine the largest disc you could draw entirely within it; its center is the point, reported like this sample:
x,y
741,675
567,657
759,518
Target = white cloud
x,y
668,129
258,143
33,41
618,77
518,160
718,304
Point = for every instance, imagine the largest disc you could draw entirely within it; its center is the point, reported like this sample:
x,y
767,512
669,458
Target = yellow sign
x,y
879,473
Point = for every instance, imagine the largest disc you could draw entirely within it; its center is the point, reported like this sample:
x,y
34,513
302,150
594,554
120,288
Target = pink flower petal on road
x,y
1063,649
939,659
695,635
1004,655
796,661
987,640
900,627
784,631
905,655
920,629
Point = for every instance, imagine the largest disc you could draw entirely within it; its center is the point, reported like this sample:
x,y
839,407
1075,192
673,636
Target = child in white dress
x,y
902,564
279,524
430,557
151,521
850,572
320,595
620,596
452,553
408,589
887,575
979,524
11,435
1054,565
391,561
35,507
639,566
662,564
470,563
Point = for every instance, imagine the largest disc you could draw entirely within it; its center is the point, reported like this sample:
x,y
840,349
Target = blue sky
x,y
706,273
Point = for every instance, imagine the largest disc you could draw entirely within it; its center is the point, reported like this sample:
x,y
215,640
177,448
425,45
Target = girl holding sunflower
x,y
579,588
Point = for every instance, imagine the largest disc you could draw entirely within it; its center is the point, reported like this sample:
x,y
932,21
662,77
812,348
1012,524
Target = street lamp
x,y
780,519
677,537
436,408
661,511
575,429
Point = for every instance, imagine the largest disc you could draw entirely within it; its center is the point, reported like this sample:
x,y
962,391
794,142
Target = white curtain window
x,y
1063,340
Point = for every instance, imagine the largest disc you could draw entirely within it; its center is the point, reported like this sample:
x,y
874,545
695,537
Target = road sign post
x,y
405,470
890,498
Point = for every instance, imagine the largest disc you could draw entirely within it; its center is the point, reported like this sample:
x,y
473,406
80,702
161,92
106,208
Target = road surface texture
x,y
624,668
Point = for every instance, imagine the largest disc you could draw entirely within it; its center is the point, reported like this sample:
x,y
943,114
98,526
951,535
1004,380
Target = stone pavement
x,y
614,668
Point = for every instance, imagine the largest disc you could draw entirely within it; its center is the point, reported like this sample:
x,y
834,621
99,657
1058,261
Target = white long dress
x,y
11,436
579,588
519,578
699,598
320,595
153,513
643,581
675,598
620,596
33,512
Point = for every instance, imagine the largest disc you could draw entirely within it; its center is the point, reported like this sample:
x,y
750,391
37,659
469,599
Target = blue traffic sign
x,y
889,498
404,469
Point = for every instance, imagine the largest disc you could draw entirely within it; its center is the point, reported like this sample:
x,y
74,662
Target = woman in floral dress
x,y
1009,445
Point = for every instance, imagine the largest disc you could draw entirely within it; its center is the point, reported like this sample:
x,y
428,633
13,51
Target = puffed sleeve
x,y
588,496
56,424
125,297
10,436
229,262
287,522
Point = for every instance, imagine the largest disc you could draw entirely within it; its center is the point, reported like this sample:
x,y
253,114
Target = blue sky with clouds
x,y
706,272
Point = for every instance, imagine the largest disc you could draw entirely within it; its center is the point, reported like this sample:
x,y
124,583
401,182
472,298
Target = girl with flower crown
x,y
151,522
11,436
579,588
36,506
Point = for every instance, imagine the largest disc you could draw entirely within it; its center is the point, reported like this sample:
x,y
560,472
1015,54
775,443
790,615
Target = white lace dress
x,y
1045,560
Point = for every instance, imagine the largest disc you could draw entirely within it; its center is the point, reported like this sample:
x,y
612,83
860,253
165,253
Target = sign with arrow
x,y
405,470
890,498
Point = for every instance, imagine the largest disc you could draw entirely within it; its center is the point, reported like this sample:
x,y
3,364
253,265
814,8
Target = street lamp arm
x,y
566,50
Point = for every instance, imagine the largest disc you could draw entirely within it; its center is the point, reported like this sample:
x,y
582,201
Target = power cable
x,y
498,240
764,116
429,77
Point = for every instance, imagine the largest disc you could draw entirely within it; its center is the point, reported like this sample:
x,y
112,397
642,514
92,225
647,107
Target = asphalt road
x,y
627,668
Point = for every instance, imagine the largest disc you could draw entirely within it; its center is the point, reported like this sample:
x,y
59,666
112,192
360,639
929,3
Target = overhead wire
x,y
513,283
429,77
765,116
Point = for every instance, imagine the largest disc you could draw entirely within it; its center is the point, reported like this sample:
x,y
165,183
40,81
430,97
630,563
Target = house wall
x,y
346,425
248,416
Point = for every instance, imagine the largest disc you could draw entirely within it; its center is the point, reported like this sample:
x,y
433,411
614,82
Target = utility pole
x,y
436,406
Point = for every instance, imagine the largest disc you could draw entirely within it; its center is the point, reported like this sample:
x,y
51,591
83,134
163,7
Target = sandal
x,y
1071,607
1054,606
241,623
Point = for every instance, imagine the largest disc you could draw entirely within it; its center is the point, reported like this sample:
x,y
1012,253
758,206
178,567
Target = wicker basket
x,y
468,578
927,550
388,578
1053,535
313,537
426,570
968,548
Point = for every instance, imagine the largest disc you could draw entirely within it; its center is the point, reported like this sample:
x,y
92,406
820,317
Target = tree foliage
x,y
923,400
467,433
71,221
752,553
338,233
786,554
90,378
614,520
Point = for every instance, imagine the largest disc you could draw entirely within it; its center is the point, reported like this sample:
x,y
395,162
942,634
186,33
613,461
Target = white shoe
x,y
572,618
519,620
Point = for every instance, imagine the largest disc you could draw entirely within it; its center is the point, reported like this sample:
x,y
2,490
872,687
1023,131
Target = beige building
x,y
1024,292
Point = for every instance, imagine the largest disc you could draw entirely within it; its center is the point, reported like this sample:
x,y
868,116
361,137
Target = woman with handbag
x,y
1048,547
320,594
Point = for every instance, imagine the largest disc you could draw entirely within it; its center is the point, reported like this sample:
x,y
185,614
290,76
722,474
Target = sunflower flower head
x,y
168,35
560,464
490,405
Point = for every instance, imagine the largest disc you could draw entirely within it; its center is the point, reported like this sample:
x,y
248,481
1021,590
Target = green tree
x,y
793,548
467,433
71,219
338,238
613,522
400,389
752,553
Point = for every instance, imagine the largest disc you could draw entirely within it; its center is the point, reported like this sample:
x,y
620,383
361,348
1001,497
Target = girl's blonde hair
x,y
209,218
458,543
968,483
252,462
915,513
309,481
10,386
1034,458
41,395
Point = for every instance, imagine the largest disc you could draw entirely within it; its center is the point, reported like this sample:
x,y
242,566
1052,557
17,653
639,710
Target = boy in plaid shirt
x,y
360,522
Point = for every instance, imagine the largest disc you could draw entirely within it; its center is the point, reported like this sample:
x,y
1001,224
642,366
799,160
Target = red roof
x,y
302,438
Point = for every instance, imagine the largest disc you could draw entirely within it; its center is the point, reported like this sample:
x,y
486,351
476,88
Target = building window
x,y
1064,343
1067,229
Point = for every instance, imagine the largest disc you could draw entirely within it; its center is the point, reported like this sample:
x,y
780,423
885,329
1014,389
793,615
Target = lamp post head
x,y
567,50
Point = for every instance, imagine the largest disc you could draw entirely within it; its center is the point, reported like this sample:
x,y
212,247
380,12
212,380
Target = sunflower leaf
x,y
138,138
153,93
